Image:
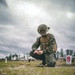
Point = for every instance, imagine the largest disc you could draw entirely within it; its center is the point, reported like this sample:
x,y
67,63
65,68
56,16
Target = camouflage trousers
x,y
50,60
47,59
39,57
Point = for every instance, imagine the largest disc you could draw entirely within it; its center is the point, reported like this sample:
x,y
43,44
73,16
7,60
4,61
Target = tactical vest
x,y
45,43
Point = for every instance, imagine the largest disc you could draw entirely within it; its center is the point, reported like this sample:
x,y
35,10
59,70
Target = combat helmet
x,y
42,27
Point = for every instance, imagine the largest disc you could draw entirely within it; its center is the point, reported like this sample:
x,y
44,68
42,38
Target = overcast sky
x,y
19,20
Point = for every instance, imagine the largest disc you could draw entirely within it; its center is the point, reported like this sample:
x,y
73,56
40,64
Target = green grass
x,y
30,68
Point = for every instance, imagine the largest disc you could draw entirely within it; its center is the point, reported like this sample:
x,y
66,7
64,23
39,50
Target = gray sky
x,y
19,20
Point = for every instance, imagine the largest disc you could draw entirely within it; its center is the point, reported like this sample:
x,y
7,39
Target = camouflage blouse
x,y
46,44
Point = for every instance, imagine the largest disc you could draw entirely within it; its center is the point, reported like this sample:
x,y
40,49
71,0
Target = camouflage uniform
x,y
47,45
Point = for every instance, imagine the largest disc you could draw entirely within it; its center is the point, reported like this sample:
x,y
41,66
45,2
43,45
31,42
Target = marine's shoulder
x,y
38,38
50,35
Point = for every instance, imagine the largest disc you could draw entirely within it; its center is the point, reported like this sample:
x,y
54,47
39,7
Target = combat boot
x,y
42,64
52,64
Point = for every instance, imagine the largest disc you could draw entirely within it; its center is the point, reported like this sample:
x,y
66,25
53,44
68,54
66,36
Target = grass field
x,y
30,68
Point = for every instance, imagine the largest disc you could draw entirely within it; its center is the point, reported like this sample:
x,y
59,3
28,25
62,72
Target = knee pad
x,y
51,64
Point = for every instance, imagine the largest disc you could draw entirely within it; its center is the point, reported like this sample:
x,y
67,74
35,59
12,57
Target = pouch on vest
x,y
46,42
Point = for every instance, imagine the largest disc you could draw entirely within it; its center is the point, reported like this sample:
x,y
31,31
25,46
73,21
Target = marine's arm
x,y
36,44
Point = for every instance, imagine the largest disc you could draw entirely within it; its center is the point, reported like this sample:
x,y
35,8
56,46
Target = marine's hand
x,y
39,52
35,52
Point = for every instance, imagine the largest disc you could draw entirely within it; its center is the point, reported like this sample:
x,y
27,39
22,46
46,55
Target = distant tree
x,y
69,52
15,55
61,52
24,56
57,55
74,53
19,57
8,57
27,55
